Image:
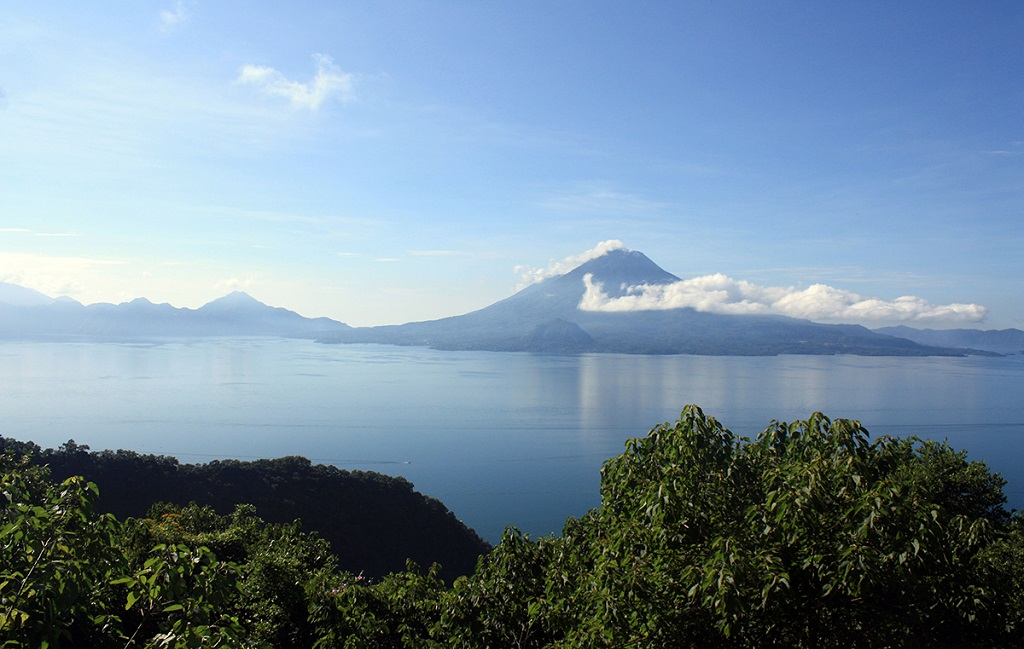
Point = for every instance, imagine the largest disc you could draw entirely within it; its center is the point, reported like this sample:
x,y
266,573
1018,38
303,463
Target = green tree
x,y
56,560
810,536
271,565
178,598
508,601
401,610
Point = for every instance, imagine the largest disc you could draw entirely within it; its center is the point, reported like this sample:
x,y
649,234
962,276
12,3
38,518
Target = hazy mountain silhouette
x,y
28,314
545,317
21,296
1003,341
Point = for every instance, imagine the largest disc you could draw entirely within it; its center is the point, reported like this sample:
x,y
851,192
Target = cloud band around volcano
x,y
720,293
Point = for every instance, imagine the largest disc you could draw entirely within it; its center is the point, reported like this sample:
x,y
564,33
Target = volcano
x,y
546,317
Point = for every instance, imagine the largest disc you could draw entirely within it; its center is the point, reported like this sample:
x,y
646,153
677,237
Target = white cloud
x,y
170,19
38,234
328,81
54,276
722,294
233,284
529,275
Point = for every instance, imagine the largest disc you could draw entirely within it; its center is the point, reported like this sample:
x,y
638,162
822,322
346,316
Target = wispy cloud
x,y
233,284
1015,148
328,81
603,201
38,234
719,293
271,216
52,275
529,275
171,19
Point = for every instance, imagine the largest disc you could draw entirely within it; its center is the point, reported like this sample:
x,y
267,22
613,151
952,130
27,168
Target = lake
x,y
500,438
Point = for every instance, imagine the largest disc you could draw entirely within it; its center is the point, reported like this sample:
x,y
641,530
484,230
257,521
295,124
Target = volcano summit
x,y
549,317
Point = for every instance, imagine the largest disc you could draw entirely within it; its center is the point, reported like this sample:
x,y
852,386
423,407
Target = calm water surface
x,y
501,439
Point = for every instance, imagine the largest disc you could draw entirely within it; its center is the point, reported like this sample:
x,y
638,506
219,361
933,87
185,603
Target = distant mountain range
x,y
1002,341
28,314
544,317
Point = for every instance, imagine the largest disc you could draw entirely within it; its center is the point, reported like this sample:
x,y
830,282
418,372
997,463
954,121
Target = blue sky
x,y
394,161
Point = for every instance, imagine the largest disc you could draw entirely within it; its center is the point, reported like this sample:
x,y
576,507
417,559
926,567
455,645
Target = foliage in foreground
x,y
809,536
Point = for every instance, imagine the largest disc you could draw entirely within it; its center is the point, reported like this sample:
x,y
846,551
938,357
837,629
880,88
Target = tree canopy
x,y
374,522
811,535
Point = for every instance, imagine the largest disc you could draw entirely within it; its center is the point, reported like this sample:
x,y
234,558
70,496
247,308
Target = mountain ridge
x,y
235,314
18,295
1001,341
545,317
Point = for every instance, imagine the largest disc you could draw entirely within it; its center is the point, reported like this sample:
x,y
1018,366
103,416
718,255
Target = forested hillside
x,y
374,522
813,535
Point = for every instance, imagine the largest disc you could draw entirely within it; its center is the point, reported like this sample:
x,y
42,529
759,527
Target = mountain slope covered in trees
x,y
373,522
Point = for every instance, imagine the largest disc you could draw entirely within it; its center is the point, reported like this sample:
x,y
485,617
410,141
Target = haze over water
x,y
500,438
